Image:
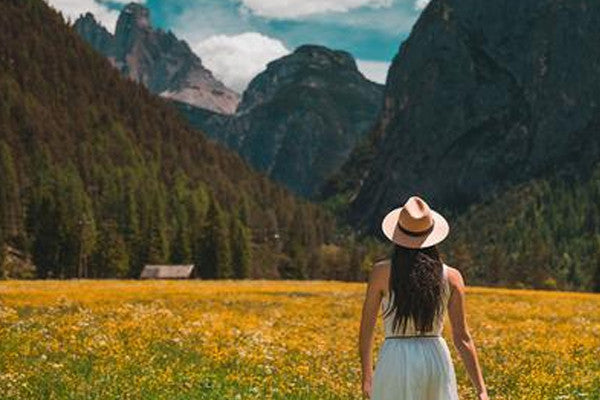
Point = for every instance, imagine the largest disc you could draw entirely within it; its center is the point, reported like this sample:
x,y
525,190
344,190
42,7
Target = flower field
x,y
267,340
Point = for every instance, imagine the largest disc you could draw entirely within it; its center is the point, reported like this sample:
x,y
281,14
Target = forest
x,y
100,177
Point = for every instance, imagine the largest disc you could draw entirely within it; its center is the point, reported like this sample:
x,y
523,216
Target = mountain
x,y
300,118
99,176
165,64
479,99
491,113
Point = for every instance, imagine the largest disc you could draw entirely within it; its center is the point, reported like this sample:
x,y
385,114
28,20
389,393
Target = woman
x,y
414,290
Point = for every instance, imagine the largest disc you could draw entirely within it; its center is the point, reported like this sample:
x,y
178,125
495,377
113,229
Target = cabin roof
x,y
167,271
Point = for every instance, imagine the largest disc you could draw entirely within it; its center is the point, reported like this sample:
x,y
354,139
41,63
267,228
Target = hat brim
x,y
392,231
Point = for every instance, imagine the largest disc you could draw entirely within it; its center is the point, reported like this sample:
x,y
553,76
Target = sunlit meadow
x,y
267,340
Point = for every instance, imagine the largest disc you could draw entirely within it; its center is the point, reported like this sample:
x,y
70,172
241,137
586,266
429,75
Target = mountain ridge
x,y
299,119
158,59
465,105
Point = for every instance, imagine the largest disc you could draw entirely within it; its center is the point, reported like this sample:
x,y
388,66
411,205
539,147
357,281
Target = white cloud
x,y
373,70
72,9
421,4
236,59
302,8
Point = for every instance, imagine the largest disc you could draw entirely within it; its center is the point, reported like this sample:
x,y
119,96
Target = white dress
x,y
415,368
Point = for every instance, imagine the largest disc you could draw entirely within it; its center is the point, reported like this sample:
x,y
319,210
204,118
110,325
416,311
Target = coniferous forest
x,y
543,234
99,177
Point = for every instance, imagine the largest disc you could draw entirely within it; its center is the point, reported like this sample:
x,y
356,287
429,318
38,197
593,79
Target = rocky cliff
x,y
299,119
479,98
158,59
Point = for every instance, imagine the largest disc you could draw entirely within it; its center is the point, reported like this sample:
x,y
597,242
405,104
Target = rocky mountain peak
x,y
134,15
158,59
100,38
300,118
88,18
324,57
309,65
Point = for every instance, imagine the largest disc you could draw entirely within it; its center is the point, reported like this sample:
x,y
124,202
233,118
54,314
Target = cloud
x,y
236,59
375,71
72,9
291,9
421,4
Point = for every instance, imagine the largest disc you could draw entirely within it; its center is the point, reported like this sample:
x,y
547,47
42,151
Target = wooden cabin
x,y
167,272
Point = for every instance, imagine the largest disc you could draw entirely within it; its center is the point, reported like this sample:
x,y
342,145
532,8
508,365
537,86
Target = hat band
x,y
420,233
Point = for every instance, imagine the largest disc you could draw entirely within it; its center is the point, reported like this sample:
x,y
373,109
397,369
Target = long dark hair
x,y
416,282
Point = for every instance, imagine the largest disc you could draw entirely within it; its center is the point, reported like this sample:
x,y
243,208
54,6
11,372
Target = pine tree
x,y
355,270
181,248
2,256
156,252
129,225
215,260
43,224
240,248
10,204
111,255
296,247
595,284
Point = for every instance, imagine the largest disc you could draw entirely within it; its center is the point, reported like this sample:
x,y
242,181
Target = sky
x,y
237,38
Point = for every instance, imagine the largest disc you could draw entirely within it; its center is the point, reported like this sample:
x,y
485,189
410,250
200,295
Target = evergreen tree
x,y
296,247
181,249
111,255
215,260
129,225
240,248
10,204
2,256
156,252
355,267
595,284
43,221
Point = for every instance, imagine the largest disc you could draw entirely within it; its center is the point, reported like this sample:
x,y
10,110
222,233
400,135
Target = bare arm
x,y
460,333
367,325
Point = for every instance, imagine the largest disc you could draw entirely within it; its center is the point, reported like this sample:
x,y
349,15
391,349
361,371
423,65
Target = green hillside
x,y
99,176
543,234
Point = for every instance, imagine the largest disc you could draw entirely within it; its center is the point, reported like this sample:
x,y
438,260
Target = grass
x,y
267,340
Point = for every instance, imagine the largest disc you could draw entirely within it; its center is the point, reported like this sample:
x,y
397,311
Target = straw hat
x,y
415,225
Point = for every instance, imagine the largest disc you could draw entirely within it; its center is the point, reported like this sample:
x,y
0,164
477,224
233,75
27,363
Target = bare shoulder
x,y
380,274
382,264
381,269
455,278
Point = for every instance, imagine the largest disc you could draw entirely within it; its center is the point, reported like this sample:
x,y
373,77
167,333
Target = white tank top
x,y
438,323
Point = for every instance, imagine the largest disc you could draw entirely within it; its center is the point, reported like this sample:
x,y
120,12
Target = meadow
x,y
267,340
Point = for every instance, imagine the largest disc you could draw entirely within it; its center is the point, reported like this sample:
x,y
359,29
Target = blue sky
x,y
236,38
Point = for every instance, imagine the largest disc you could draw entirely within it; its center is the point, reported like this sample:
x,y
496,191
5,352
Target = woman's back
x,y
410,329
414,365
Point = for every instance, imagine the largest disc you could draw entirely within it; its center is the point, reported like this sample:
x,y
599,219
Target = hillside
x,y
544,233
472,107
299,119
491,114
99,176
158,59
